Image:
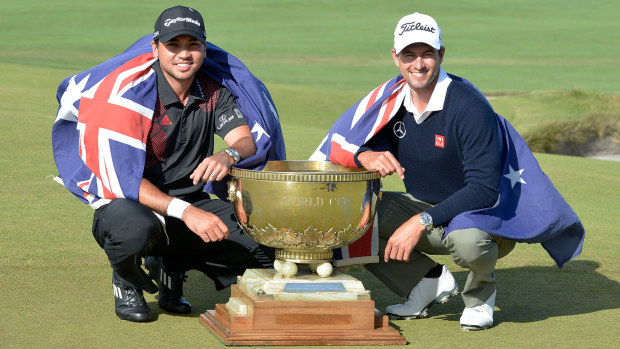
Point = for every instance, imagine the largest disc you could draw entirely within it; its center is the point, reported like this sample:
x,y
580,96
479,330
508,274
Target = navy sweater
x,y
451,159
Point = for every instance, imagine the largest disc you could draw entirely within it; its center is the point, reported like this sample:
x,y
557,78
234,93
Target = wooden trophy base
x,y
249,319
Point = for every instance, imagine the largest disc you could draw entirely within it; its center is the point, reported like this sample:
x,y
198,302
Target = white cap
x,y
414,28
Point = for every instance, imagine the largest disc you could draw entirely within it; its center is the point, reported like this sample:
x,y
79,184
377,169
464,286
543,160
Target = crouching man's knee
x,y
474,246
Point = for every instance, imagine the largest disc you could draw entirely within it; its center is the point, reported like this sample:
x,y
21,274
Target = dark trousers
x,y
129,231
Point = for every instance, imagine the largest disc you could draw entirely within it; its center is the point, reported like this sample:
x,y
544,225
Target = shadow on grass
x,y
524,294
530,294
535,293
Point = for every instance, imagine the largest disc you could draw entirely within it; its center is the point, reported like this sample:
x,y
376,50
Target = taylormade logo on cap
x,y
415,28
169,21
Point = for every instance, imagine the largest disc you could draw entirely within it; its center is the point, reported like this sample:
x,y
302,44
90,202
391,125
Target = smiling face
x,y
180,58
419,64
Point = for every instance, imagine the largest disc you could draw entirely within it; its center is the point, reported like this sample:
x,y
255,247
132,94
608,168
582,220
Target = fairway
x,y
540,61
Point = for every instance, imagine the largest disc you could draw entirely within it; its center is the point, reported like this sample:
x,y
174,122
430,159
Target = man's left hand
x,y
213,168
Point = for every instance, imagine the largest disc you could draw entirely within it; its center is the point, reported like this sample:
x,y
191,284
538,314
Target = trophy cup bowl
x,y
304,209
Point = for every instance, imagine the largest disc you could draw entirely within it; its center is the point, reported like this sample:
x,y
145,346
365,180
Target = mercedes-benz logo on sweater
x,y
399,129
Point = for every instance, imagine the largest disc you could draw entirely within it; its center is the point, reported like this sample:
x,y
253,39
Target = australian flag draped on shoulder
x,y
105,114
354,128
529,208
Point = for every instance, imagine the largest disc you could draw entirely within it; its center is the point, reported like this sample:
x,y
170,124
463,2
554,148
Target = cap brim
x,y
400,47
169,36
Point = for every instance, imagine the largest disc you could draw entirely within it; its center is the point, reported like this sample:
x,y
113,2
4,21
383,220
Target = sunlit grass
x,y
317,59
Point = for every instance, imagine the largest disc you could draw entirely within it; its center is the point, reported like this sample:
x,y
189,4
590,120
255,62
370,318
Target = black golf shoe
x,y
130,304
170,287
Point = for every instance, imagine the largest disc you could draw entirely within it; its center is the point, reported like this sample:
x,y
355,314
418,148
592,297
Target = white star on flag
x,y
515,176
259,131
72,94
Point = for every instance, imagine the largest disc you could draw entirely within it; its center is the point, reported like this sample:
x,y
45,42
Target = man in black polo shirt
x,y
175,224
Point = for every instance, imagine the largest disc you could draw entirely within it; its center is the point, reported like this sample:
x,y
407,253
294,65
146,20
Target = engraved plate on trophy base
x,y
307,287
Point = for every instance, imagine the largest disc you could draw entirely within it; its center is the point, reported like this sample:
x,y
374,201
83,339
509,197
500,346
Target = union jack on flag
x,y
354,128
105,114
529,208
360,123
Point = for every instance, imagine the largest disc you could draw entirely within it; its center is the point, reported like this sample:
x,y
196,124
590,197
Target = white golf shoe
x,y
427,292
479,317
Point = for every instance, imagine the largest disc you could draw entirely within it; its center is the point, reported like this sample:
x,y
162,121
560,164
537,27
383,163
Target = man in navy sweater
x,y
444,144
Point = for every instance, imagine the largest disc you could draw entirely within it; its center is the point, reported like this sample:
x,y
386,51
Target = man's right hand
x,y
382,161
404,240
206,225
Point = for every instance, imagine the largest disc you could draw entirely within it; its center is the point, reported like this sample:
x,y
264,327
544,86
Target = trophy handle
x,y
232,189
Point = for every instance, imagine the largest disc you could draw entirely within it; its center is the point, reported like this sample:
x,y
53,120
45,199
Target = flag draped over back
x,y
105,114
529,208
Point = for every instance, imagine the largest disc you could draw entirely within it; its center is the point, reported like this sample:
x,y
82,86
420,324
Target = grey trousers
x,y
470,248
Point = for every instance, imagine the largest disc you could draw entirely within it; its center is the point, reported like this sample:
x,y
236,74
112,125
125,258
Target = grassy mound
x,y
568,122
594,134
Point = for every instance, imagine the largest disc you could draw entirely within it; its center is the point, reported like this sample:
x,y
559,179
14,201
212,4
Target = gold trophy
x,y
304,209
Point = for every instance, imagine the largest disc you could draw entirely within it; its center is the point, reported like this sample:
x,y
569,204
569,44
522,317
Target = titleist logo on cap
x,y
407,27
170,21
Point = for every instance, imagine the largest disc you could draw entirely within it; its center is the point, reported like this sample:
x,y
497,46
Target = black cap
x,y
179,20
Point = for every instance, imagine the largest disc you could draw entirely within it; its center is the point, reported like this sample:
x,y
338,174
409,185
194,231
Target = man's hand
x,y
404,240
206,225
216,166
382,161
213,168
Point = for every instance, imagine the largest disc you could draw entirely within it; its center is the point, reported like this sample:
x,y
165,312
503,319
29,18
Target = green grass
x,y
545,61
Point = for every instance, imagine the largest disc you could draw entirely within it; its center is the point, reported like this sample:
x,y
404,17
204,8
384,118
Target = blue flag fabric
x,y
105,113
529,208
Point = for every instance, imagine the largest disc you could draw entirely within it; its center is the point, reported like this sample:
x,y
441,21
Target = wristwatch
x,y
233,154
426,220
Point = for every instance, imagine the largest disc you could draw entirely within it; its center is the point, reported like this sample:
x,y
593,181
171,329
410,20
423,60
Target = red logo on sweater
x,y
165,121
440,141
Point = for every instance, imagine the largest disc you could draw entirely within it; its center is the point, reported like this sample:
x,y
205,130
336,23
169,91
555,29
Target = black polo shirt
x,y
181,137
